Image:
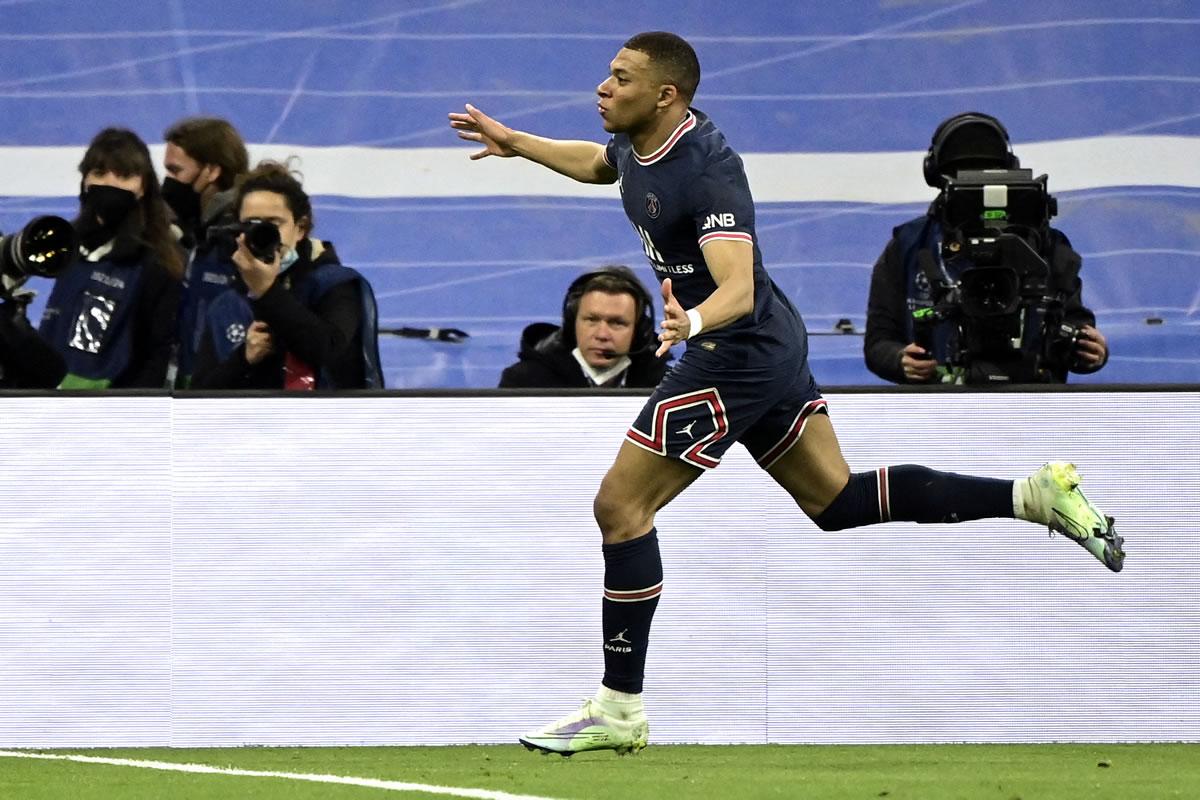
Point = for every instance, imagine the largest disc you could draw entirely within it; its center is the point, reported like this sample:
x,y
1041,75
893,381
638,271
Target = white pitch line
x,y
205,769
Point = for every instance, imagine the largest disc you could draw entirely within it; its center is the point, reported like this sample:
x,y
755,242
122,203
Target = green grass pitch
x,y
894,772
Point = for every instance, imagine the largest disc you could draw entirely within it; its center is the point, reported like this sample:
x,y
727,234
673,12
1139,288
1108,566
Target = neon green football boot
x,y
1052,497
592,727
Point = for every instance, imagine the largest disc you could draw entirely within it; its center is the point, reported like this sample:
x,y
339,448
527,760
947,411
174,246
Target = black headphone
x,y
948,128
626,282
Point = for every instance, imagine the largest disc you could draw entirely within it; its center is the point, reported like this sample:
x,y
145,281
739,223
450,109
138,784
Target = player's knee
x,y
607,511
616,516
828,522
853,505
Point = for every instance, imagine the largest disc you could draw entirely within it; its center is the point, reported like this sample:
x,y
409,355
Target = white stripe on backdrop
x,y
892,177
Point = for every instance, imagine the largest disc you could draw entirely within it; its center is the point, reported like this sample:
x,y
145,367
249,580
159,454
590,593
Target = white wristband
x,y
697,324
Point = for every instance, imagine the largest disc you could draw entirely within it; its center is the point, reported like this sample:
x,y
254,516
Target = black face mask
x,y
102,210
183,200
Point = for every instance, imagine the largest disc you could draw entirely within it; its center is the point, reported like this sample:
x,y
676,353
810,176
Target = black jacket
x,y
27,361
327,337
546,362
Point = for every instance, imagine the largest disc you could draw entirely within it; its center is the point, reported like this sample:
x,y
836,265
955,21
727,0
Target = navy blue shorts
x,y
701,408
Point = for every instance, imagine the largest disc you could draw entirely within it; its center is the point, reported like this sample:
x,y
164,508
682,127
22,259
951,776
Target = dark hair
x,y
123,153
613,279
212,140
280,178
673,57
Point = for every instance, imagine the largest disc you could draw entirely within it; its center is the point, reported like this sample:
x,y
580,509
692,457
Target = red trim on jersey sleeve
x,y
731,236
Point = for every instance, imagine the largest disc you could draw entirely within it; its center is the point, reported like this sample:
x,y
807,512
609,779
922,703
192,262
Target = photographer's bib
x,y
89,320
208,276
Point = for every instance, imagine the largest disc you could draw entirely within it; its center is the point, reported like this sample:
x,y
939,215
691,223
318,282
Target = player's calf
x,y
911,493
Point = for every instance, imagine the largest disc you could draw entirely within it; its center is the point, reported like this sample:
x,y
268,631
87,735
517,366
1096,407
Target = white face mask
x,y
289,258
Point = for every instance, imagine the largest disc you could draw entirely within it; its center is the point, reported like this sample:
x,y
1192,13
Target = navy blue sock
x,y
632,583
915,494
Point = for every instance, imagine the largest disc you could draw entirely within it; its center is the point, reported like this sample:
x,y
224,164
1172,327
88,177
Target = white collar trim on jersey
x,y
689,122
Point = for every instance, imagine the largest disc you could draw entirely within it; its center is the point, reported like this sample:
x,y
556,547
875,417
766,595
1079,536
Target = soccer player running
x,y
743,378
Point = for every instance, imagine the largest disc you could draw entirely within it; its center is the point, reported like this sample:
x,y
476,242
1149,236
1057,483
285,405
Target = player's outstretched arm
x,y
583,161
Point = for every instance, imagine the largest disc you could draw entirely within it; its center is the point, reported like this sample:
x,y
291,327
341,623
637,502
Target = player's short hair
x,y
212,140
673,57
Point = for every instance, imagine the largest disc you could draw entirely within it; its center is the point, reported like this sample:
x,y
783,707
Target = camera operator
x,y
607,338
44,248
901,285
205,157
112,313
295,318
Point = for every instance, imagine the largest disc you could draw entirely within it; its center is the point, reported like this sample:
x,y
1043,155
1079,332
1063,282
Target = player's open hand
x,y
476,126
675,325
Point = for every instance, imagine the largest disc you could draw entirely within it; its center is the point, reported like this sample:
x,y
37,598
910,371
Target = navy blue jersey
x,y
688,192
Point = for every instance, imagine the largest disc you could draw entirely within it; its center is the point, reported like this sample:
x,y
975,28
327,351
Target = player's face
x,y
628,96
604,327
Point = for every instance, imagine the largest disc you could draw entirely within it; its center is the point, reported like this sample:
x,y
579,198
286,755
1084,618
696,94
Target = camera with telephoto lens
x,y
992,289
43,248
262,239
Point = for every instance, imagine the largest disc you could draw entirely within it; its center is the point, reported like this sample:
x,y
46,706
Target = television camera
x,y
992,286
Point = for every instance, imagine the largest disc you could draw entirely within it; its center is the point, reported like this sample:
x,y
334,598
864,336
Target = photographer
x,y
112,313
296,318
205,157
913,276
607,338
44,247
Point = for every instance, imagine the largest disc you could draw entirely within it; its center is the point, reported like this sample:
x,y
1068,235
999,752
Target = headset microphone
x,y
648,347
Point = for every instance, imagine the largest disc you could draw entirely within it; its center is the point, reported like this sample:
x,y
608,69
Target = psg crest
x,y
652,205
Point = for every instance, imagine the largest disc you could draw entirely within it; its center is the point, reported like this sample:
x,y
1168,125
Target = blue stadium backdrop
x,y
832,105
